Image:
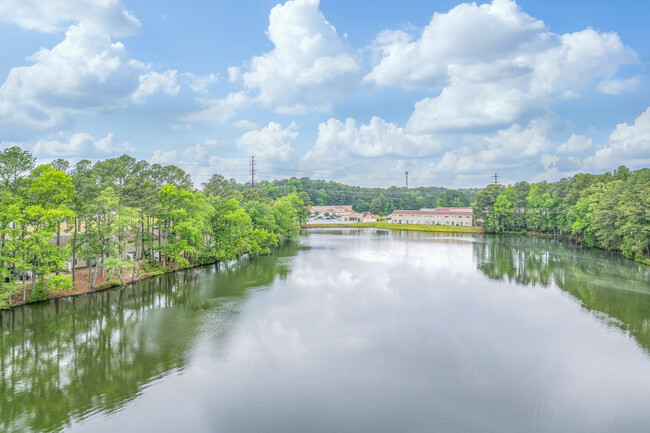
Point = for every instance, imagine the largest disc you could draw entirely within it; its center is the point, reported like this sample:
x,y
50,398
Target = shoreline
x,y
457,229
100,285
407,227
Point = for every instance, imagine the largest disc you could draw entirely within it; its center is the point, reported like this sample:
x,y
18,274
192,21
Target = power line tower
x,y
496,178
406,175
252,171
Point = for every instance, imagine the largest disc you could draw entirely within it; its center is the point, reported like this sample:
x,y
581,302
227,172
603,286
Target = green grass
x,y
411,227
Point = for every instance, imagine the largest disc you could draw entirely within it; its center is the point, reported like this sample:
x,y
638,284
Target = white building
x,y
449,216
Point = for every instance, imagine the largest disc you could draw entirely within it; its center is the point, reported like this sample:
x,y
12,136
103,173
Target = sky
x,y
355,92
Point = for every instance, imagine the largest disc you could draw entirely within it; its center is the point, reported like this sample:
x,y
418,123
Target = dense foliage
x,y
379,201
609,211
123,217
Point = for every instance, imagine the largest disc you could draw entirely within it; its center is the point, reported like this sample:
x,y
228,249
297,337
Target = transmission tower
x,y
496,178
252,172
406,175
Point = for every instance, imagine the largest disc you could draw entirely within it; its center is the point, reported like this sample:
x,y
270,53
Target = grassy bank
x,y
411,227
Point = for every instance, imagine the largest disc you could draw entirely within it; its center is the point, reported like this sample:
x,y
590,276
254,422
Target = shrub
x,y
39,293
58,283
107,285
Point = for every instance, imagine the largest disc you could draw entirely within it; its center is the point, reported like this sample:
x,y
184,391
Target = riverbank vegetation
x,y
609,211
411,227
122,219
379,201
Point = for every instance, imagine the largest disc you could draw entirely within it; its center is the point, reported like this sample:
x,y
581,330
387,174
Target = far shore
x,y
410,227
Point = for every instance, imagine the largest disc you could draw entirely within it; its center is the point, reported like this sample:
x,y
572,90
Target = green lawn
x,y
412,227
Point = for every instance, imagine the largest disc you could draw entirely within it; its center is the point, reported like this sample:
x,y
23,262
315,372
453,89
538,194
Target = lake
x,y
346,330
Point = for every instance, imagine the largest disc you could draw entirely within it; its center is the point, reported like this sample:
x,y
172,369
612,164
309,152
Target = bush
x,y
39,293
58,283
107,285
148,267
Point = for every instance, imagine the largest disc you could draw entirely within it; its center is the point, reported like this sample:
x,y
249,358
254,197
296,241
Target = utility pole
x,y
496,178
406,174
252,171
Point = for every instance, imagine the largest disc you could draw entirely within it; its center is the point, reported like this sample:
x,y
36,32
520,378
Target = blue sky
x,y
356,92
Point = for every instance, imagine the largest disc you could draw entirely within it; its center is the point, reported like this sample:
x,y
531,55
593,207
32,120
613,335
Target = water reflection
x,y
63,360
603,282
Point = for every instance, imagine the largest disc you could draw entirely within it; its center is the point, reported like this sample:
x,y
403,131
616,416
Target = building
x,y
333,209
449,216
355,217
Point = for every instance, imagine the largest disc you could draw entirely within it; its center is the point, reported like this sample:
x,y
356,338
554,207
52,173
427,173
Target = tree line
x,y
609,211
122,217
379,201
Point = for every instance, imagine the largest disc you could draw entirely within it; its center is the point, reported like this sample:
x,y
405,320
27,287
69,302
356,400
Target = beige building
x,y
355,217
449,216
333,209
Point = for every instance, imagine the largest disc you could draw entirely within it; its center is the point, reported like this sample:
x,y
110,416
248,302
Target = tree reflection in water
x,y
603,282
61,360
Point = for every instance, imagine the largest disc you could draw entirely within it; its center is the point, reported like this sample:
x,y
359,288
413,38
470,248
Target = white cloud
x,y
233,73
575,143
163,158
106,16
196,152
271,143
513,147
496,65
200,83
80,144
245,124
154,82
616,87
86,71
338,142
181,127
308,66
219,109
628,145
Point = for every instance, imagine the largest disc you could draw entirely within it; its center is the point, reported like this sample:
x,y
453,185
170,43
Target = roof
x,y
437,211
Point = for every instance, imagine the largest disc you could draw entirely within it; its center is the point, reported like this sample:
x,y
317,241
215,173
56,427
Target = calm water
x,y
346,331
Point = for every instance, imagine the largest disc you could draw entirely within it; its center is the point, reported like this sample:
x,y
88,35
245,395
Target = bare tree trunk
x,y
74,247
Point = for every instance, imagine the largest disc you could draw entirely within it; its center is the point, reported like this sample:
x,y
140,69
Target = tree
x,y
483,206
14,164
500,218
218,186
285,214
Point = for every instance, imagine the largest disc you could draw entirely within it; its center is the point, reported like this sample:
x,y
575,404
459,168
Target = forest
x,y
379,201
121,217
609,211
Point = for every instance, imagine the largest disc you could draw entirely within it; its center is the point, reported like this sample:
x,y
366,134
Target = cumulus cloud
x,y
575,143
163,158
616,87
627,145
338,141
154,82
86,71
106,16
245,124
79,144
199,152
512,147
271,143
494,65
308,66
200,83
219,109
308,55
